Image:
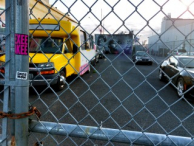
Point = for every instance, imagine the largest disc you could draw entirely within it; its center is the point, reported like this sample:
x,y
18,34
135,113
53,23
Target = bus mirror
x,y
75,48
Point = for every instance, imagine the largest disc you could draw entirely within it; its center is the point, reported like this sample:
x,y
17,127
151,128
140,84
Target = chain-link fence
x,y
96,73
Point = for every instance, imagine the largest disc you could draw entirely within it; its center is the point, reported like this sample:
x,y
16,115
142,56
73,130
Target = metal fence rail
x,y
105,134
68,78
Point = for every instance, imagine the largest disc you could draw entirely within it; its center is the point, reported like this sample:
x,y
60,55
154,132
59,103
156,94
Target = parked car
x,y
177,52
190,53
137,48
179,70
142,57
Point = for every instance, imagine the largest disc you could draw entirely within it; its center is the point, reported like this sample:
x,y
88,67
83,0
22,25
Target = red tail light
x,y
2,70
47,72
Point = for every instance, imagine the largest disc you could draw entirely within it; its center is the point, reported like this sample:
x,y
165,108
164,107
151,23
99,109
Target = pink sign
x,y
21,44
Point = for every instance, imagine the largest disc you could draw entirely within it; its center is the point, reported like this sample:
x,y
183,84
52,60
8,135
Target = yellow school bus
x,y
57,49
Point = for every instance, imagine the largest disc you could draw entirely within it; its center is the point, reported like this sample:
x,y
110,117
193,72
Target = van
x,y
57,50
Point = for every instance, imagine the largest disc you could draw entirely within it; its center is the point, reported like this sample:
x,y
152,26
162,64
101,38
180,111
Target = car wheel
x,y
161,75
61,81
150,63
180,87
95,60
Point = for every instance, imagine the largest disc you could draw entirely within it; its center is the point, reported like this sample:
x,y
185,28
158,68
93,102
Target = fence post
x,y
8,12
21,69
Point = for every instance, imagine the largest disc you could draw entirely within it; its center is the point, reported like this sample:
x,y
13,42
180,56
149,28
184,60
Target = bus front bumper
x,y
43,80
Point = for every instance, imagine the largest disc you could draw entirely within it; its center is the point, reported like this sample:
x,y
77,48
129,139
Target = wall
x,y
174,38
115,43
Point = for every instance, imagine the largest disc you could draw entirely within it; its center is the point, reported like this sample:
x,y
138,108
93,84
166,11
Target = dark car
x,y
179,70
142,57
137,48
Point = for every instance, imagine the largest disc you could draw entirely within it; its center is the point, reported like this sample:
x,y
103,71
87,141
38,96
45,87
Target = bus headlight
x,y
46,68
46,65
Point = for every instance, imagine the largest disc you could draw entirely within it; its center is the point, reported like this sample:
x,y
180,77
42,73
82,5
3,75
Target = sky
x,y
143,17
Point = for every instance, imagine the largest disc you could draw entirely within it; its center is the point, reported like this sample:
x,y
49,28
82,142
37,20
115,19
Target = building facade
x,y
175,34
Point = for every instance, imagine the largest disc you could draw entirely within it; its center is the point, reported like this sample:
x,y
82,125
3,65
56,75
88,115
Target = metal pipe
x,y
21,90
11,63
9,12
113,135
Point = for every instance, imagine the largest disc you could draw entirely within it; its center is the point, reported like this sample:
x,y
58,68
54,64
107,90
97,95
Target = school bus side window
x,y
43,44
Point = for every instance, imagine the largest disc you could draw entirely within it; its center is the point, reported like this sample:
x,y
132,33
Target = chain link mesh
x,y
112,99
117,93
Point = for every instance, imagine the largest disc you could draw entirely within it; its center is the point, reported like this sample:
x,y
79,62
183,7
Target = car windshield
x,y
51,45
187,62
141,54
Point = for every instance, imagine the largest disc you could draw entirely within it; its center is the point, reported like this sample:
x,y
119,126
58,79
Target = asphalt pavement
x,y
116,94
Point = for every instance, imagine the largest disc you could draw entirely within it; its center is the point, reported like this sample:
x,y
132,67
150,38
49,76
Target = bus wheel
x,y
61,81
97,59
88,71
94,62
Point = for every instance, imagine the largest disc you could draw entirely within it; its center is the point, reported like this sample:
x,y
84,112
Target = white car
x,y
178,52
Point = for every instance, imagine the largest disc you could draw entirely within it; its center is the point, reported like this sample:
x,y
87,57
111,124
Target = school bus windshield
x,y
46,45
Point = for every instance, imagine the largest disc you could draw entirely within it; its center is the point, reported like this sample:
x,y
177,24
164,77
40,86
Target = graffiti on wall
x,y
2,27
115,43
2,18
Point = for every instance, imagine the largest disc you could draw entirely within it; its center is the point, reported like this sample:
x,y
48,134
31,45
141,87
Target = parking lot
x,y
118,94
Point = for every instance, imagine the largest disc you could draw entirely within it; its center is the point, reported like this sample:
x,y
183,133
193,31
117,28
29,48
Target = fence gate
x,y
98,72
